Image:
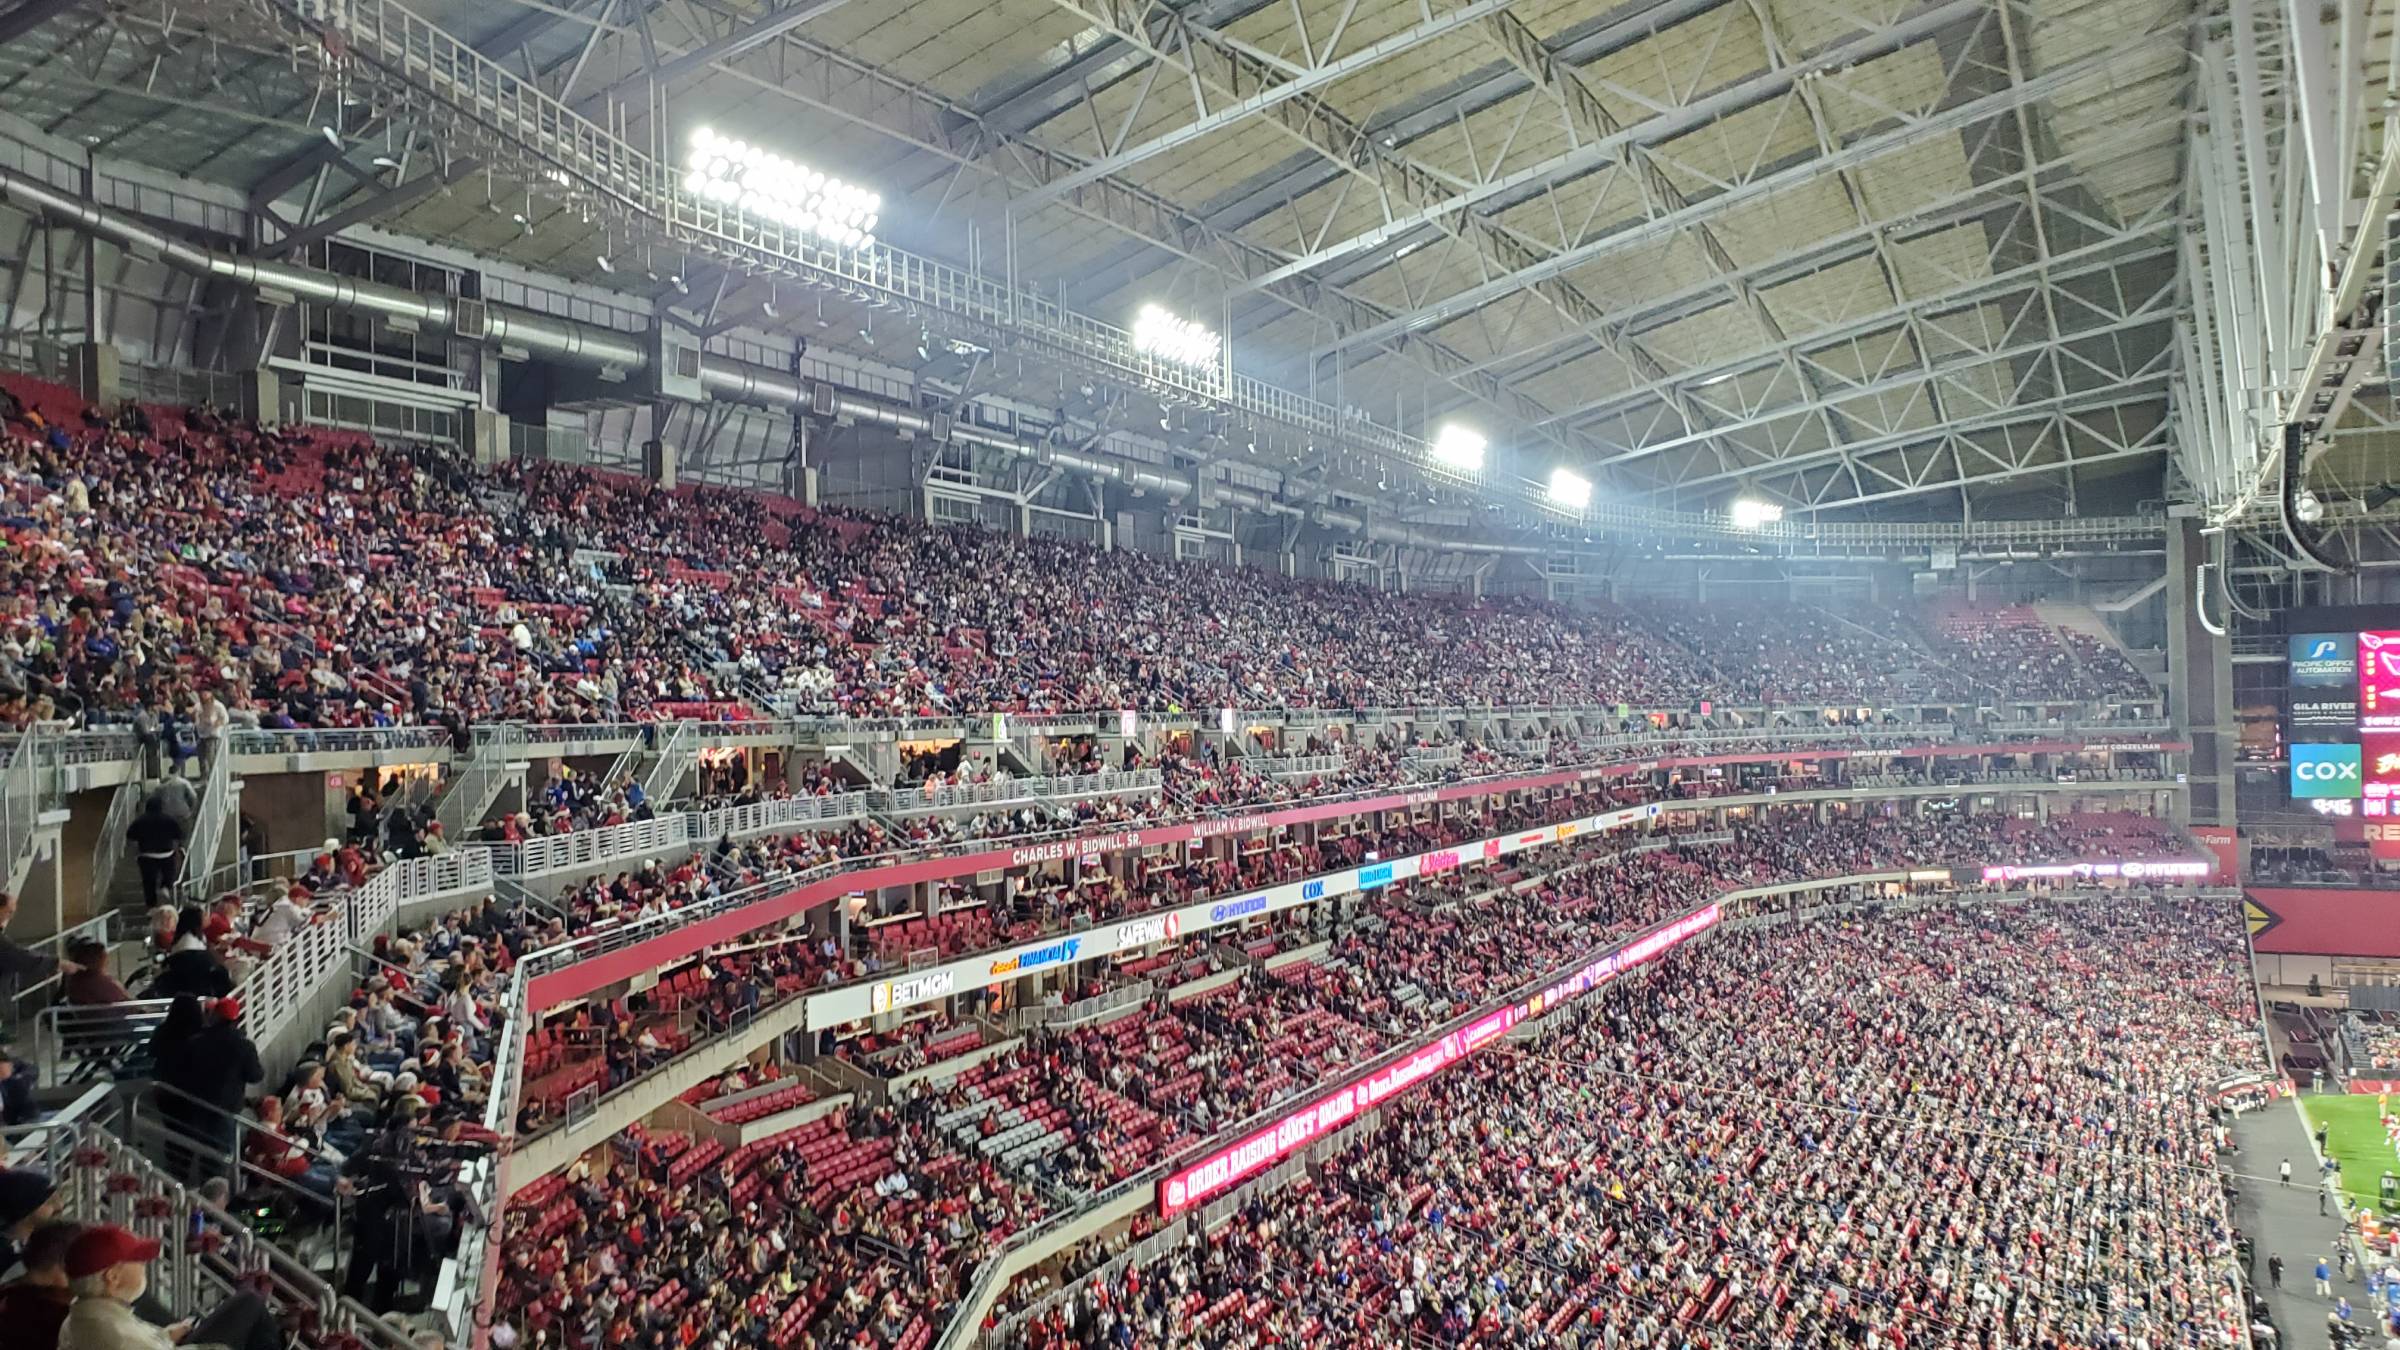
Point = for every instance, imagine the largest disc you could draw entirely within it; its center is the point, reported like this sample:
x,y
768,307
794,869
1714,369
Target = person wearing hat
x,y
209,1069
34,1305
108,1271
27,1199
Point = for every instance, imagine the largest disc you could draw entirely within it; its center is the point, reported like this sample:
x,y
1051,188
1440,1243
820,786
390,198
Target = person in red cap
x,y
108,1270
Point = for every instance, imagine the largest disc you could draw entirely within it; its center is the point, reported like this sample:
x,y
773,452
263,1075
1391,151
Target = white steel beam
x,y
1865,151
1320,73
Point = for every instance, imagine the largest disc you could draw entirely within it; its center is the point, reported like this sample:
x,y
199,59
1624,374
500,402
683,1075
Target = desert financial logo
x,y
1229,910
2379,681
1056,954
907,993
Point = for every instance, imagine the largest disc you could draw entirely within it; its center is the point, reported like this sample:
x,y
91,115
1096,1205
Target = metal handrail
x,y
675,756
1610,751
209,819
483,779
205,1253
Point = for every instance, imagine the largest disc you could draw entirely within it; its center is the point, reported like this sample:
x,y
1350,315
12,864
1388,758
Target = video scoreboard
x,y
2343,728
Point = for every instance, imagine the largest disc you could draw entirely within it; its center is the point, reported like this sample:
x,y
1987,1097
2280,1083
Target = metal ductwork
x,y
592,346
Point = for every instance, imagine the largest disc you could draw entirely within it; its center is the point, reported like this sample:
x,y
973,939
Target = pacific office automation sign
x,y
1264,1147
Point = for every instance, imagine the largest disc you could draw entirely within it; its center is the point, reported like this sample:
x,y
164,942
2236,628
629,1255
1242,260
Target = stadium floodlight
x,y
766,186
1174,339
1569,490
1459,448
1749,513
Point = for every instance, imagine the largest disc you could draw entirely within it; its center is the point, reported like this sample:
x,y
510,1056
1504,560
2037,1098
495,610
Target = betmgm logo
x,y
2327,771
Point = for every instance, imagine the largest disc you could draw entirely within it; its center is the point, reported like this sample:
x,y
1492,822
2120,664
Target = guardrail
x,y
209,817
999,791
405,744
669,832
1293,766
484,778
1628,755
205,1253
1069,1014
284,983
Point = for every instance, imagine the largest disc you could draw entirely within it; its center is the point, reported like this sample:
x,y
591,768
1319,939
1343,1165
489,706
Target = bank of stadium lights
x,y
1749,513
1174,339
1459,448
1569,490
766,186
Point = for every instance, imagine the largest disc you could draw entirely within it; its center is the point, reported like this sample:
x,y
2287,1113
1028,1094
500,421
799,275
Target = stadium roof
x,y
1891,254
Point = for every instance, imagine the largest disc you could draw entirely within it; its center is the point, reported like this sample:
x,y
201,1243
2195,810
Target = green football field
x,y
2354,1136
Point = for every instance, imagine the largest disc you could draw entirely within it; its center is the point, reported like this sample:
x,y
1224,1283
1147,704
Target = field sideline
x,y
2353,1137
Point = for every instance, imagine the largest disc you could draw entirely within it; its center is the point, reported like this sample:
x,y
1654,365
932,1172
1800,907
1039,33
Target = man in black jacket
x,y
157,840
210,1074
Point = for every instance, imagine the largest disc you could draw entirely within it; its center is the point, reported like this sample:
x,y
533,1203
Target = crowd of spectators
x,y
869,1221
1977,1125
185,572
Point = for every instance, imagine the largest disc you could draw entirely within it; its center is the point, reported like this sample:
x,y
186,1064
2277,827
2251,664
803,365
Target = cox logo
x,y
1236,909
1312,890
2326,771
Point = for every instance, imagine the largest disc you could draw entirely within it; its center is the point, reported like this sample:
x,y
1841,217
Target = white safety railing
x,y
670,833
777,813
1001,791
1294,766
109,850
208,820
587,848
482,780
206,1254
24,782
678,749
296,972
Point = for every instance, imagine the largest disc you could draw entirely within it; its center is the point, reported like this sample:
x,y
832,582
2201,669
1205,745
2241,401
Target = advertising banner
x,y
2379,768
2379,681
2328,770
2224,846
2324,658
